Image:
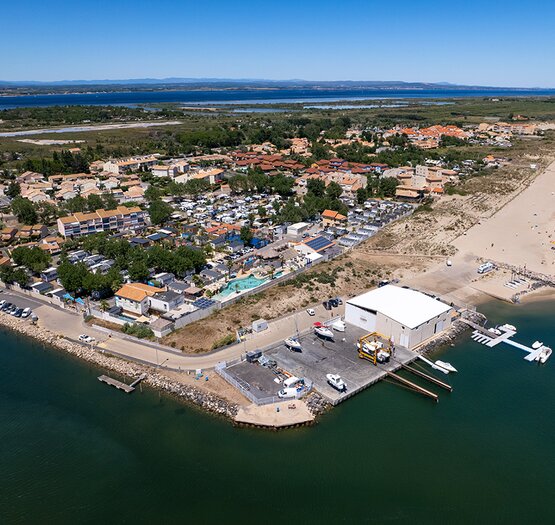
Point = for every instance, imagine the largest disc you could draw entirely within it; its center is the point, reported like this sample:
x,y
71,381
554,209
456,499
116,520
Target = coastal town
x,y
281,261
136,254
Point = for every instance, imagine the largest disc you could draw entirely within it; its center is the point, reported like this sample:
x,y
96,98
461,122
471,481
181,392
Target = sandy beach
x,y
520,233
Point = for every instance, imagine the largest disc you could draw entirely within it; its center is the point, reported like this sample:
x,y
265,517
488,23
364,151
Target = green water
x,y
76,451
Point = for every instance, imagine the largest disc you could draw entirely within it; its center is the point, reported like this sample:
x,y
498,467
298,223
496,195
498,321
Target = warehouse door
x,y
439,327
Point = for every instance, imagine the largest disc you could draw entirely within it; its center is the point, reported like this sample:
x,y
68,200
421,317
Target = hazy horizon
x,y
242,80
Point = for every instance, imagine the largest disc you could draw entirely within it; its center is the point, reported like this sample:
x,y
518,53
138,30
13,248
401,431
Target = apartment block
x,y
121,219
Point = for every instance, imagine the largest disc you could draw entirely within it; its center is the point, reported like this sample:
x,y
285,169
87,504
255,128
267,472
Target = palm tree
x,y
229,264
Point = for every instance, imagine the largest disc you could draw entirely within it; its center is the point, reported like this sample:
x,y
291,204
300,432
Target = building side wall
x,y
360,317
409,338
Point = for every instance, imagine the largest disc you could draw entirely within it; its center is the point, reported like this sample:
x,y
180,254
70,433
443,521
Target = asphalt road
x,y
70,325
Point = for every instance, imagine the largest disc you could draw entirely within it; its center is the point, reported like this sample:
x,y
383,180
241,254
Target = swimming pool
x,y
240,285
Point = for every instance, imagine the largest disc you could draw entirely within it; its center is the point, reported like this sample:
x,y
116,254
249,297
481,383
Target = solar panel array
x,y
204,303
319,243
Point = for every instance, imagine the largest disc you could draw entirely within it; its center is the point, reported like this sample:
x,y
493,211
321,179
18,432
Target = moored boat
x,y
544,355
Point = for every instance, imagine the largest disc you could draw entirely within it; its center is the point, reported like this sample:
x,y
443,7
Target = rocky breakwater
x,y
190,394
317,404
456,329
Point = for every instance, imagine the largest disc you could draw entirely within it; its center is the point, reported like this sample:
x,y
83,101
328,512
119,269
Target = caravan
x,y
486,267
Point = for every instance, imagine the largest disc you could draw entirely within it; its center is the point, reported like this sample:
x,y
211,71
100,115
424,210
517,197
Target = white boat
x,y
494,331
433,365
293,344
338,325
537,345
322,331
544,355
508,327
447,366
336,382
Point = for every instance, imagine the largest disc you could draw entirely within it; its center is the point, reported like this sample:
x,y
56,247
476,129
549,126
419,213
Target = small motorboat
x,y
494,331
336,382
447,366
322,331
544,355
293,344
509,327
537,345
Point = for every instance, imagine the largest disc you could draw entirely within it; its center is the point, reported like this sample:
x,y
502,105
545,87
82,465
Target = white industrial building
x,y
406,316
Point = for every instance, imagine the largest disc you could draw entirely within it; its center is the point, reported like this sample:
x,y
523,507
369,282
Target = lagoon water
x,y
76,451
253,96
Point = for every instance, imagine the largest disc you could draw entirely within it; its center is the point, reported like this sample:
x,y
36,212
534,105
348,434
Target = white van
x,y
287,393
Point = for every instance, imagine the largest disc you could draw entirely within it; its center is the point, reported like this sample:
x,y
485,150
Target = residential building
x,y
166,301
121,219
131,164
332,218
134,297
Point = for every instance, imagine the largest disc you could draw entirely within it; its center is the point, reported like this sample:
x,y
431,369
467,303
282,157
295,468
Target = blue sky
x,y
501,43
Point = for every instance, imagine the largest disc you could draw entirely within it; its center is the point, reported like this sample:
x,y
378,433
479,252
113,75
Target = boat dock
x,y
490,339
119,384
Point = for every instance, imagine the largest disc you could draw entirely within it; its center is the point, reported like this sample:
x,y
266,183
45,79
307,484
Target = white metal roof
x,y
408,307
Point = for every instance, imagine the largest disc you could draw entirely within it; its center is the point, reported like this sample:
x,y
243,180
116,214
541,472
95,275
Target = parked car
x,y
86,338
2,303
334,303
6,306
18,312
26,313
327,305
310,312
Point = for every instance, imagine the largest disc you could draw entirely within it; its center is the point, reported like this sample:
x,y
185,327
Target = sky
x,y
494,43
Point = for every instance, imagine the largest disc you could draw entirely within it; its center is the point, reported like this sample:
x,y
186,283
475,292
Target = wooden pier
x,y
119,384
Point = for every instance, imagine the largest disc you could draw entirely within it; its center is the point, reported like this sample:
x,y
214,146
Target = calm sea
x,y
250,96
76,451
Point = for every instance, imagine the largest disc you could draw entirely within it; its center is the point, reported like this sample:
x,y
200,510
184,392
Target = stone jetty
x,y
155,379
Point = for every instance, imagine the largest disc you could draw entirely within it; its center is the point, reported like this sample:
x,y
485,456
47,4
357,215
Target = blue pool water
x,y
240,285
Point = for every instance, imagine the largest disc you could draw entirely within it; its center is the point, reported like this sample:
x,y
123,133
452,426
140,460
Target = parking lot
x,y
20,302
320,357
256,379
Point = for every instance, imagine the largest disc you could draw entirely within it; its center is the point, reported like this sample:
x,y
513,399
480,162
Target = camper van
x,y
485,268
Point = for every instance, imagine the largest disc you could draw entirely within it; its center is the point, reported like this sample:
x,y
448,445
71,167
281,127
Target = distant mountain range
x,y
227,83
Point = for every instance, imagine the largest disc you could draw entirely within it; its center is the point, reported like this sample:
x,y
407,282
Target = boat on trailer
x,y
293,344
323,331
